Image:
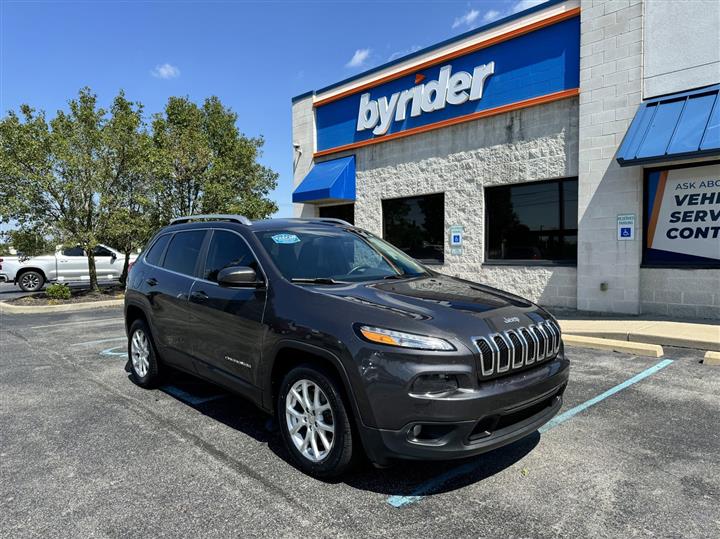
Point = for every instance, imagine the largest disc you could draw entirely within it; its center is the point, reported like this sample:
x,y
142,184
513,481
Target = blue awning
x,y
677,126
328,181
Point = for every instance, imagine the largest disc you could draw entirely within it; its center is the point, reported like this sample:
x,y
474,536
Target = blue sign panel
x,y
536,64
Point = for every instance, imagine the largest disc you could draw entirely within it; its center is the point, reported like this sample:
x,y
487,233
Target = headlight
x,y
404,340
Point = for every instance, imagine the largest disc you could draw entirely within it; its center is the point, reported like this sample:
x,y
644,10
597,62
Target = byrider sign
x,y
684,215
518,70
377,114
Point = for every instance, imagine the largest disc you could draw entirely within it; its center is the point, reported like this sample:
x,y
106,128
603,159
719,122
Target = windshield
x,y
334,254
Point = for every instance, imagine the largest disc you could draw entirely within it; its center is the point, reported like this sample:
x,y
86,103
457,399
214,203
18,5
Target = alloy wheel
x,y
30,281
140,353
310,420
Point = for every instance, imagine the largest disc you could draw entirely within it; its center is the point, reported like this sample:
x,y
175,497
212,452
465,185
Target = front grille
x,y
517,348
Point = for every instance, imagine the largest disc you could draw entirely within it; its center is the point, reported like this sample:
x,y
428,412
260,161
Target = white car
x,y
68,264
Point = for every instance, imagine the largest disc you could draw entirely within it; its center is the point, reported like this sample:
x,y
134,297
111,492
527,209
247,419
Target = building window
x,y
416,226
532,221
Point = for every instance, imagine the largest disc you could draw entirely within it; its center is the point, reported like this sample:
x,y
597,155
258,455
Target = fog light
x,y
416,430
433,384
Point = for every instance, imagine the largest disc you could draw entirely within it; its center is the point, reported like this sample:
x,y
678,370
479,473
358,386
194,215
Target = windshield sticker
x,y
285,239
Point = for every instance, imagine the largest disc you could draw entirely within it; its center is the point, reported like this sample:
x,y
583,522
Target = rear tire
x,y
144,367
31,281
314,422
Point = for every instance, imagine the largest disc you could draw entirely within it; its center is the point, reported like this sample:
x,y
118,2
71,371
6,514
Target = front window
x,y
311,253
226,250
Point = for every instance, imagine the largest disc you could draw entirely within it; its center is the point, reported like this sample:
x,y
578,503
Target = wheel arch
x,y
134,312
25,269
288,354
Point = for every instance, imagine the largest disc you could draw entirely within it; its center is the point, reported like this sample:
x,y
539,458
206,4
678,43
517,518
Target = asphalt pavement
x,y
85,452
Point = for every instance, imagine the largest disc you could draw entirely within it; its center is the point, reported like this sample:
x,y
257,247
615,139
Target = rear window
x,y
183,251
156,251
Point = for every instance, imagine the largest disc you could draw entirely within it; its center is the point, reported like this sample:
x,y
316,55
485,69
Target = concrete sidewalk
x,y
700,335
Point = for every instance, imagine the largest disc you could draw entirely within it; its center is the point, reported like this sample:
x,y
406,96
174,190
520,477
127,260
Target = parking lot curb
x,y
699,336
639,349
8,308
712,358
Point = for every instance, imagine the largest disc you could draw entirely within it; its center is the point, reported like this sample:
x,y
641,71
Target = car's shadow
x,y
404,478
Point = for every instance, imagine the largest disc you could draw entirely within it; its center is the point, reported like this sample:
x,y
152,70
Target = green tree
x,y
91,175
125,223
26,242
53,172
203,164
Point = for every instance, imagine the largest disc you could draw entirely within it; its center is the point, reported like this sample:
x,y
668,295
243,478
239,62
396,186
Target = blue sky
x,y
253,55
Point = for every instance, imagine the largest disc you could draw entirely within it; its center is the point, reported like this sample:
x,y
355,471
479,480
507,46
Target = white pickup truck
x,y
66,265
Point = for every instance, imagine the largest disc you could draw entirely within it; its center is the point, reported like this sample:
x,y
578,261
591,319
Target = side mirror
x,y
238,276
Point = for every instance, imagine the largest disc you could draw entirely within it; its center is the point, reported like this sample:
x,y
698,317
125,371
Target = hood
x,y
447,301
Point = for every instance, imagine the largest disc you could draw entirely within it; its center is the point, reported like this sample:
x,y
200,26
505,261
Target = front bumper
x,y
508,410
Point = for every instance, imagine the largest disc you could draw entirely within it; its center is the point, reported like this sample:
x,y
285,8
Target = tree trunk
x,y
126,265
92,271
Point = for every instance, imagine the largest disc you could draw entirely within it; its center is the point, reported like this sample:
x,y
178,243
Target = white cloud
x,y
522,5
165,71
466,20
491,15
404,52
359,58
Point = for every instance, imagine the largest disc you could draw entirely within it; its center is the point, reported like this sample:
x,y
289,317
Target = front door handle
x,y
200,295
152,281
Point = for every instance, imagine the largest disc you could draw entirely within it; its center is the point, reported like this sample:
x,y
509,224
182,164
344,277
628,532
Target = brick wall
x,y
610,86
680,293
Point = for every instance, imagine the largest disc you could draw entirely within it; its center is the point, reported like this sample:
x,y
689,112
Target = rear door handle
x,y
152,281
199,295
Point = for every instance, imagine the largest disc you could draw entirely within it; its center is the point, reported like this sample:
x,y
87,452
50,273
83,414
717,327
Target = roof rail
x,y
331,220
212,217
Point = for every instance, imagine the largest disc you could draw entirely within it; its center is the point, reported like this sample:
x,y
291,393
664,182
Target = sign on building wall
x,y
456,240
540,63
626,227
682,215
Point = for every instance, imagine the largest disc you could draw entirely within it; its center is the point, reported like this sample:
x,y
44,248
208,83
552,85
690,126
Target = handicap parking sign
x,y
626,226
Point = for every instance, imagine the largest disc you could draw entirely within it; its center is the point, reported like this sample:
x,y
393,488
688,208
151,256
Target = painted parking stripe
x,y
115,351
89,322
432,484
189,398
559,419
84,343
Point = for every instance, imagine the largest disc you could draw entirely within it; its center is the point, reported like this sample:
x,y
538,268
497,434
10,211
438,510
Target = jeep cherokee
x,y
352,345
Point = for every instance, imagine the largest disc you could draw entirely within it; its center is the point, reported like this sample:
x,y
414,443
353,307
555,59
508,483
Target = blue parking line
x,y
431,484
114,351
123,338
557,420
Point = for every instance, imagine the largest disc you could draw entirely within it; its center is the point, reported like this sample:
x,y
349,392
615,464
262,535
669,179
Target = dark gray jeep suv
x,y
350,343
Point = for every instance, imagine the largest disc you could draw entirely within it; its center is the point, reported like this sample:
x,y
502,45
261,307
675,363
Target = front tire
x,y
31,281
314,422
144,367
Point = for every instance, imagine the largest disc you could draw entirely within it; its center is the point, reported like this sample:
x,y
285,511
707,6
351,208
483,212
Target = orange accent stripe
x,y
461,52
656,208
452,121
